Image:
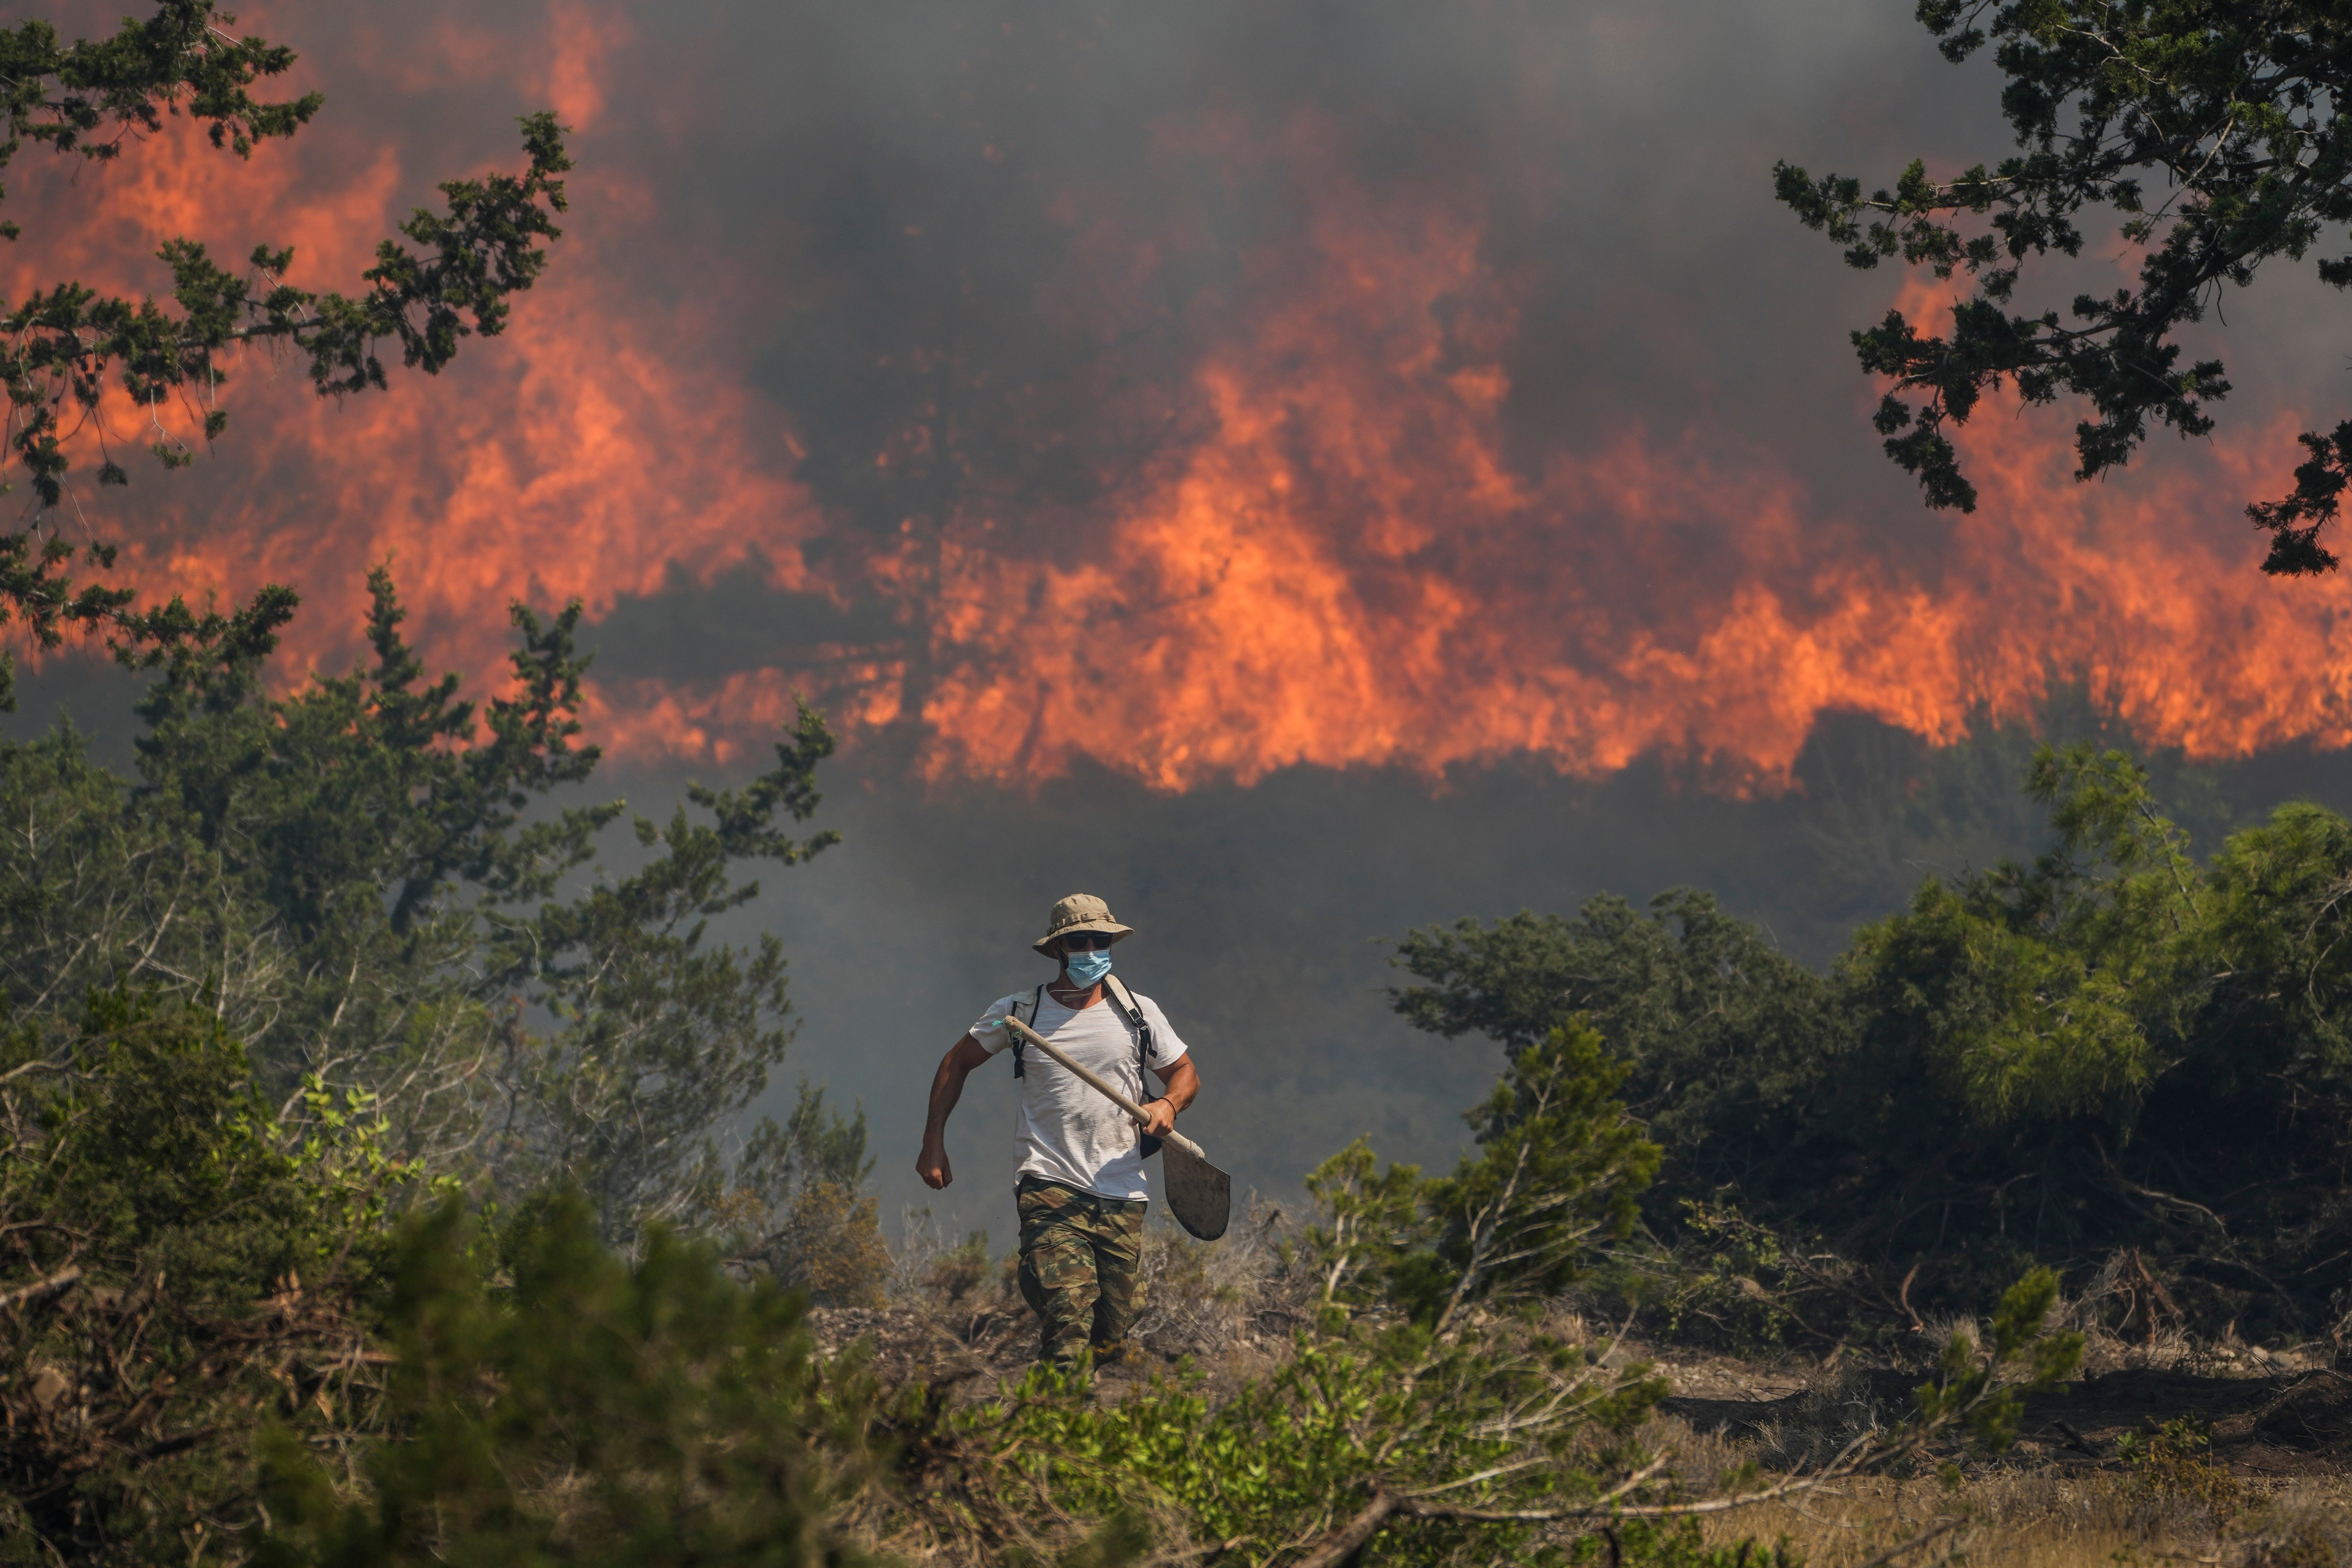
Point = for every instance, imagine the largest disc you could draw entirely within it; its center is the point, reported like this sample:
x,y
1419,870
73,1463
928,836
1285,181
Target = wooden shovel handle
x,y
1063,1057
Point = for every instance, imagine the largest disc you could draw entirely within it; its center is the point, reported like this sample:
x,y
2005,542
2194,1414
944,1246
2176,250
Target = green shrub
x,y
590,1411
189,1269
2173,1467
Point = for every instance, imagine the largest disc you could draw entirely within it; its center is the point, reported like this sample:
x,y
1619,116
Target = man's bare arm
x,y
1183,1084
947,1087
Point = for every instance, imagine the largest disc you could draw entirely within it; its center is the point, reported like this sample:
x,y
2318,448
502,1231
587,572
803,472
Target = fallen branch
x,y
57,1284
1341,1543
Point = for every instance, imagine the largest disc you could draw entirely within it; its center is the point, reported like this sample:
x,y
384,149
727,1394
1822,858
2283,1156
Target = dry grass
x,y
2007,1516
1214,1296
1231,1308
2005,1520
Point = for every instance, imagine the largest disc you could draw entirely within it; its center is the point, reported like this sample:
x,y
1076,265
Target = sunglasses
x,y
1086,941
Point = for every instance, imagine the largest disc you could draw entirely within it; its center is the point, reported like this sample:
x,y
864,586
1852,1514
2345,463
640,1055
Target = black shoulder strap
x,y
1124,1000
1121,998
1020,1069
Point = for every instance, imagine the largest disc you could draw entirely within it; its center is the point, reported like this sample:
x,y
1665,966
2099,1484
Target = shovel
x,y
1200,1195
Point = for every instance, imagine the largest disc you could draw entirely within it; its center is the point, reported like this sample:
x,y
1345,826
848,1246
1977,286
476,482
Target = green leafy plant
x,y
1370,1223
183,1267
591,1411
2233,108
1981,1386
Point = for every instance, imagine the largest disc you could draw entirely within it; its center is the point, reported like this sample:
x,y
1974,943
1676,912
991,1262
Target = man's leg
x,y
1058,1268
1118,1268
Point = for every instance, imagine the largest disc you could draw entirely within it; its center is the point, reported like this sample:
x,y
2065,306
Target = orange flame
x,y
1348,572
1346,566
578,456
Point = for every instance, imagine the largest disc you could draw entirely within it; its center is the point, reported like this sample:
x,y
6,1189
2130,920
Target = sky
x,y
1301,471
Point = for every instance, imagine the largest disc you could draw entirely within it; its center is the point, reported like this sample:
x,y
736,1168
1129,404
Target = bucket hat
x,y
1080,911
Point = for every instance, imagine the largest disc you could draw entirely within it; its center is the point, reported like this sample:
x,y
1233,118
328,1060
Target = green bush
x,y
587,1410
2115,1048
191,1268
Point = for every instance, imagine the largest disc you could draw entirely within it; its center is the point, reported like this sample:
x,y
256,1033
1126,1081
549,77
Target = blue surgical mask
x,y
1086,968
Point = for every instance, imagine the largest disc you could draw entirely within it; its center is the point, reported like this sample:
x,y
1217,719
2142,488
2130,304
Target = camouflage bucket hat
x,y
1080,911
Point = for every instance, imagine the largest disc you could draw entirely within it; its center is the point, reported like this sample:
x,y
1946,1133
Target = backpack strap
x,y
1124,1000
1145,1049
1020,1069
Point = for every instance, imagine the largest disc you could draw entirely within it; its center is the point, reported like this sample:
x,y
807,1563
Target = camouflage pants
x,y
1081,1255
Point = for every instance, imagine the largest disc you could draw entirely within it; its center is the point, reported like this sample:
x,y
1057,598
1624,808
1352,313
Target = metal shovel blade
x,y
1200,1195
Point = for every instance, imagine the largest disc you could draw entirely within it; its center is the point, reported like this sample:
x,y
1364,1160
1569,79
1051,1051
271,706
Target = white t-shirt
x,y
1067,1130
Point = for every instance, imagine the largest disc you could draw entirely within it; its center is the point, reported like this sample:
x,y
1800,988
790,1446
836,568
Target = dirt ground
x,y
2272,1417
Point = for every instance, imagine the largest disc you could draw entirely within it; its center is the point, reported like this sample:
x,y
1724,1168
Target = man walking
x,y
1081,1190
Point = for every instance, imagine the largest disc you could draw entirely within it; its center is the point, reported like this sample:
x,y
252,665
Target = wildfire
x,y
579,455
1341,562
1348,571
